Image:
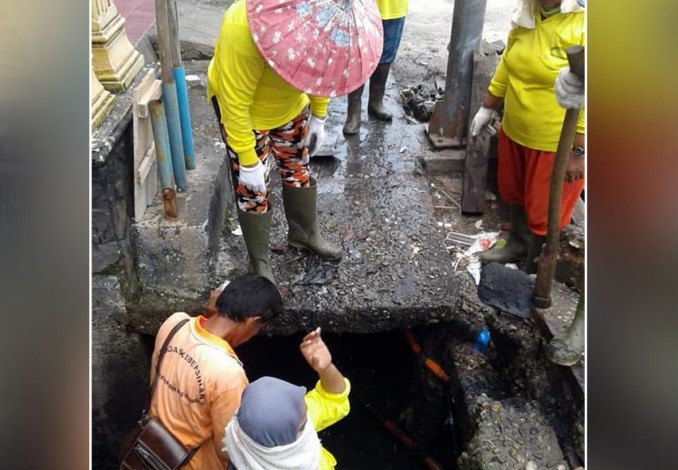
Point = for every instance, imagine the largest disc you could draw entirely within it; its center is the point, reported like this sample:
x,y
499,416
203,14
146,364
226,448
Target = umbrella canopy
x,y
321,47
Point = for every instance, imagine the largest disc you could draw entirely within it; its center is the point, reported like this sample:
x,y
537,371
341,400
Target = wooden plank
x,y
145,166
478,149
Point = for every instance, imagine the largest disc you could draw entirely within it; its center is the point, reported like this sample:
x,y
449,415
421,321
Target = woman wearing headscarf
x,y
275,66
535,53
393,14
277,424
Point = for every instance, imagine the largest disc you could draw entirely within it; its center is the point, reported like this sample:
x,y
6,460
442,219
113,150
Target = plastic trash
x,y
482,340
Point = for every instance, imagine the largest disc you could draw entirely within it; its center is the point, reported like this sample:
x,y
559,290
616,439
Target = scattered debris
x,y
192,78
419,101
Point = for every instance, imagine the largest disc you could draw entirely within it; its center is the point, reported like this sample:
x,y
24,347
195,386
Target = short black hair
x,y
250,296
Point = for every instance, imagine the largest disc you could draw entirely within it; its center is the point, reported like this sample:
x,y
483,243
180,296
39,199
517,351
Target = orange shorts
x,y
525,178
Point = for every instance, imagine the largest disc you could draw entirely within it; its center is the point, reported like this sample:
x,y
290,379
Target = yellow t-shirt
x,y
250,94
325,409
392,9
198,390
525,78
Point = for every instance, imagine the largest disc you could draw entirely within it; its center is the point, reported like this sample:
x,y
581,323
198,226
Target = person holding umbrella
x,y
542,32
393,14
276,64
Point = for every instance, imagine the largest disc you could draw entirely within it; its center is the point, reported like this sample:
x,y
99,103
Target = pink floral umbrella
x,y
321,47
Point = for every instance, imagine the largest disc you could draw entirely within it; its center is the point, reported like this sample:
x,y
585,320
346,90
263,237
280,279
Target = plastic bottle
x,y
482,340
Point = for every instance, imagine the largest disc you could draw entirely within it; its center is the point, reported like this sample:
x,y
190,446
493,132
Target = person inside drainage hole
x,y
277,424
275,66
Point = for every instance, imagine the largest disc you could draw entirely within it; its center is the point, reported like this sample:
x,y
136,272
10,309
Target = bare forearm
x,y
332,380
491,101
579,140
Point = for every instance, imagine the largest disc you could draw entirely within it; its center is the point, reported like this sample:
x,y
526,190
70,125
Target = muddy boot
x,y
301,213
352,125
516,247
256,228
375,104
534,248
566,348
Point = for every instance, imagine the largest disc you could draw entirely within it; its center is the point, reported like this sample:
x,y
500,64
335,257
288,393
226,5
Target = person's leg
x,y
352,125
252,208
538,184
393,31
511,175
299,189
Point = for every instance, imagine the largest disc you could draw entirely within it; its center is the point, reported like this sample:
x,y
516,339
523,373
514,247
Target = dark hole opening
x,y
381,368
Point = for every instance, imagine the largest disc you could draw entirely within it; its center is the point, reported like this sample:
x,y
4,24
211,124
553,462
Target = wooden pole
x,y
549,258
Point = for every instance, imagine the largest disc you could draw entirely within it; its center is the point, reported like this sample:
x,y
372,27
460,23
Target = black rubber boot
x,y
533,252
256,228
301,212
375,104
352,125
516,247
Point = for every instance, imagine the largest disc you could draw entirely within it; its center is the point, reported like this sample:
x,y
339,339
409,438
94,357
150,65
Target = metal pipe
x,y
447,127
169,97
169,93
179,73
163,157
546,268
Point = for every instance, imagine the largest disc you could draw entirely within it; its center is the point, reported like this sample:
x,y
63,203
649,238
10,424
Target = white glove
x,y
254,177
569,90
314,135
482,118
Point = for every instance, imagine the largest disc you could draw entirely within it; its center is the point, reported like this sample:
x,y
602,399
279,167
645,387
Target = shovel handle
x,y
576,59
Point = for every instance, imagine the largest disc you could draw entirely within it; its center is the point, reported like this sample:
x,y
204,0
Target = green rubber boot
x,y
256,228
566,348
375,104
352,125
533,252
516,247
301,212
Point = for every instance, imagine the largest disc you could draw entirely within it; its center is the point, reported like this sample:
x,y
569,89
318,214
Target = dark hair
x,y
250,296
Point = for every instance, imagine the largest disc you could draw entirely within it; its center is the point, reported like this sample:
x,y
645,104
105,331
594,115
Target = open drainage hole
x,y
384,390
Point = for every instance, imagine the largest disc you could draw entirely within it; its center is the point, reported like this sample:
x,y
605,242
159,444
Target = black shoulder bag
x,y
151,446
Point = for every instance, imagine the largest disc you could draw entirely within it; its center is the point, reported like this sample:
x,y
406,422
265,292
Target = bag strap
x,y
163,349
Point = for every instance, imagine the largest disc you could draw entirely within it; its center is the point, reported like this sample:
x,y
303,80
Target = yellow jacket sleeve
x,y
499,81
326,408
319,106
241,66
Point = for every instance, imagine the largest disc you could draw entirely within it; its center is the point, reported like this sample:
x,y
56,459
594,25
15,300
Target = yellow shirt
x,y
325,409
392,9
250,94
526,75
199,388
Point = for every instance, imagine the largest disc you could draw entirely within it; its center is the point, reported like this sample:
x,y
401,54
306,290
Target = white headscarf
x,y
523,13
245,454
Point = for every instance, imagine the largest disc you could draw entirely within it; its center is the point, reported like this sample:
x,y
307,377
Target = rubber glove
x,y
314,135
253,177
569,90
482,118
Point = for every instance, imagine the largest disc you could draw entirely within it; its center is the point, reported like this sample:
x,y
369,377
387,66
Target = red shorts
x,y
525,178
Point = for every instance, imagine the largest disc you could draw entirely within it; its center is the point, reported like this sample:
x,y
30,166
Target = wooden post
x,y
478,148
115,61
549,258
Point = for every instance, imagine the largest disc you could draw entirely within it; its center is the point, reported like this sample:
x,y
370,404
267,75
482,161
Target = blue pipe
x,y
185,116
169,98
163,153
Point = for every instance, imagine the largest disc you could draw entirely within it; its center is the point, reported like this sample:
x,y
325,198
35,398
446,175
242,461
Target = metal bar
x,y
163,156
549,258
447,127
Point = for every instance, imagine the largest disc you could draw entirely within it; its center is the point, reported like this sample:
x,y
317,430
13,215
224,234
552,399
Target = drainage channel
x,y
426,398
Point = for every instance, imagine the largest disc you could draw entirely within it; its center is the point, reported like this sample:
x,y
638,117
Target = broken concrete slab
x,y
373,198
